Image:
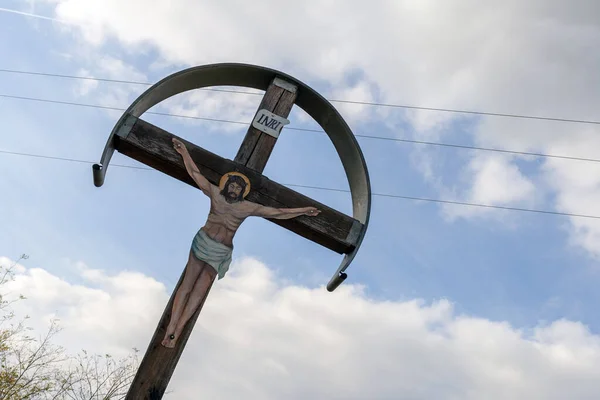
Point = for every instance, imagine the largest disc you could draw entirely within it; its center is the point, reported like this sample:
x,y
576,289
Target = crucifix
x,y
237,189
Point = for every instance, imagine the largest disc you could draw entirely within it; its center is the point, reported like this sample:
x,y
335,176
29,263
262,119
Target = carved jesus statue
x,y
212,247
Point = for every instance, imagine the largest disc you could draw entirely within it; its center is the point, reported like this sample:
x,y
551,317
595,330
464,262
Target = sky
x,y
442,301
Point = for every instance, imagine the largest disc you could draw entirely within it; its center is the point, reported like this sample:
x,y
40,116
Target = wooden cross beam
x,y
153,146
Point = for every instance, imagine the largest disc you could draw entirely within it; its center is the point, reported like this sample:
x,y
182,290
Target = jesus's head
x,y
234,189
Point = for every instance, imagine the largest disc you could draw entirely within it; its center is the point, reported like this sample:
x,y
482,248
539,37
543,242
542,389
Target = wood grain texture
x,y
152,146
257,146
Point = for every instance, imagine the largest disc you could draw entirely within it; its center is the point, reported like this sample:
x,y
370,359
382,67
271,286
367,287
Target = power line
x,y
69,103
459,146
373,104
15,153
108,80
462,203
394,196
8,10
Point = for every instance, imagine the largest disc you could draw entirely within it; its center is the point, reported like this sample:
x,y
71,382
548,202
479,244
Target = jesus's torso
x,y
224,218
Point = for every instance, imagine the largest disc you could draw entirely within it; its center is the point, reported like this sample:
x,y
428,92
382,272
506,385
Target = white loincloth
x,y
212,252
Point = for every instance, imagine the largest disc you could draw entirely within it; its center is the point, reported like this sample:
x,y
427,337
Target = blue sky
x,y
410,251
522,268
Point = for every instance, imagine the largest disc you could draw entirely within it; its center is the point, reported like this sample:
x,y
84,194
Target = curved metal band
x,y
252,76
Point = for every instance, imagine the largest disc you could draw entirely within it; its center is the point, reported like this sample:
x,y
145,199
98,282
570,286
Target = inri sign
x,y
269,123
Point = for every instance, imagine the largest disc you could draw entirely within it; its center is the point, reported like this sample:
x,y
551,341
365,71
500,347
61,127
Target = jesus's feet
x,y
169,341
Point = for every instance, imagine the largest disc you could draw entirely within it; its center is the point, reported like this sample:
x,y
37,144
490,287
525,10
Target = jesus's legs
x,y
197,296
192,272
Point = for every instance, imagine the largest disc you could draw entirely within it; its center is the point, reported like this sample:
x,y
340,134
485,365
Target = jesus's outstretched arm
x,y
192,168
283,213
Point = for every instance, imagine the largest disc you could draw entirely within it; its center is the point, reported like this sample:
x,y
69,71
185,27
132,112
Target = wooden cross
x,y
153,146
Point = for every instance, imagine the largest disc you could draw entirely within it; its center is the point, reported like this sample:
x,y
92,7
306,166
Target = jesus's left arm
x,y
283,213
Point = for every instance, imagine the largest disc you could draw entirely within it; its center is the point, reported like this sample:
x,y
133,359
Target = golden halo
x,y
244,177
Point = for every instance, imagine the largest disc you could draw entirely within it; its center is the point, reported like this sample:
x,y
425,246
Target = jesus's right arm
x,y
192,168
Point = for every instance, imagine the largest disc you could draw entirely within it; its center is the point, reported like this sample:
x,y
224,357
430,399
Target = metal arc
x,y
257,77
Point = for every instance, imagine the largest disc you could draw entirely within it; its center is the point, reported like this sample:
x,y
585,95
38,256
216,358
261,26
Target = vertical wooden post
x,y
258,146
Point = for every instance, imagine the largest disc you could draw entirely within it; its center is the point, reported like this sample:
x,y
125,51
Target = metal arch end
x,y
336,281
98,173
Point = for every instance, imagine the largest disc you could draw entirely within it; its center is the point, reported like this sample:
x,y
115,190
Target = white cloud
x,y
88,311
260,338
494,180
529,57
498,181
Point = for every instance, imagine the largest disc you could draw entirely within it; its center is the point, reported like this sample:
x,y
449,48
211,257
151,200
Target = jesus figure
x,y
212,246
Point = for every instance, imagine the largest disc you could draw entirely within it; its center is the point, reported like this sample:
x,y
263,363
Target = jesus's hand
x,y
311,211
179,146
